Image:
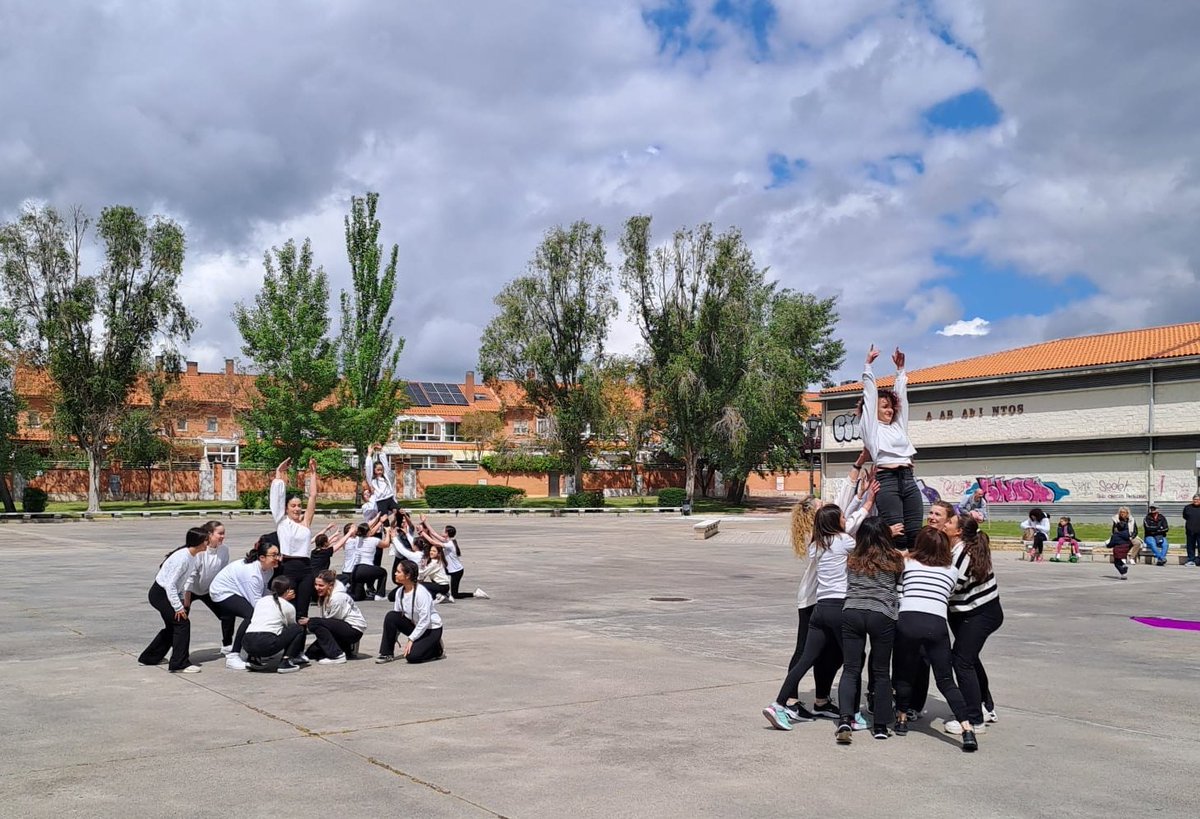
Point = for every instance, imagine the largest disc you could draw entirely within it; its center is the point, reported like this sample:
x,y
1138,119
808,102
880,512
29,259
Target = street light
x,y
812,442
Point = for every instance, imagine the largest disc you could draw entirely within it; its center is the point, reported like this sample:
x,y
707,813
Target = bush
x,y
522,462
261,498
672,497
585,500
471,496
34,499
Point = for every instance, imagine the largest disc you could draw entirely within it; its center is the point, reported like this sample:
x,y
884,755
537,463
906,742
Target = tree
x,y
480,427
627,415
14,458
549,334
369,395
697,302
139,445
93,332
285,334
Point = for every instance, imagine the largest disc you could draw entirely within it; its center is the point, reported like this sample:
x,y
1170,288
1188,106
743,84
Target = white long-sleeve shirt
x,y
294,538
398,549
369,511
807,595
359,550
434,572
340,606
173,575
208,565
1032,526
888,444
453,563
271,615
382,487
831,566
419,607
246,580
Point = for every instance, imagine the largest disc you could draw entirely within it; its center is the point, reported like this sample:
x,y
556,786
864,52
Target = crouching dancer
x,y
415,616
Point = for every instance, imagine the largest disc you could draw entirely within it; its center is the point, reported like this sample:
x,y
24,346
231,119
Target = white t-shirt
x,y
295,540
246,580
208,565
359,550
419,607
271,615
831,566
340,606
453,564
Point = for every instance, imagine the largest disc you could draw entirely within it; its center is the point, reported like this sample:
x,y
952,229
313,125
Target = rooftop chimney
x,y
193,368
229,366
469,387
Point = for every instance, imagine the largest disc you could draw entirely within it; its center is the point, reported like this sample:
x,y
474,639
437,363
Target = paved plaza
x,y
573,693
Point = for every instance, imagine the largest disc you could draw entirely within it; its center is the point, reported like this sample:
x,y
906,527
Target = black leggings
x,y
435,588
827,664
971,631
373,577
455,577
857,624
916,630
263,644
299,570
825,627
236,606
426,647
175,635
899,501
1039,542
333,637
226,619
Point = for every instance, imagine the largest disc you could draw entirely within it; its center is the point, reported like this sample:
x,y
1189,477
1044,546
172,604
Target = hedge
x,y
521,462
261,498
33,499
585,500
674,496
471,496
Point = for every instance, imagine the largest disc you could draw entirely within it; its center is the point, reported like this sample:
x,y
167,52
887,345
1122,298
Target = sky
x,y
963,176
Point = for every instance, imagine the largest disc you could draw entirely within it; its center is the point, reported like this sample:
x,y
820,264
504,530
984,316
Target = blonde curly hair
x,y
802,523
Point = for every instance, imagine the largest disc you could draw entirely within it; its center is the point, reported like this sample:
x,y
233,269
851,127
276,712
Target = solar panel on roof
x,y
415,394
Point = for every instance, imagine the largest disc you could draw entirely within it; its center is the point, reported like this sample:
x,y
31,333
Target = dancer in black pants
x,y
448,540
339,625
238,587
273,629
415,615
208,565
929,577
873,572
294,528
166,595
975,615
830,659
885,435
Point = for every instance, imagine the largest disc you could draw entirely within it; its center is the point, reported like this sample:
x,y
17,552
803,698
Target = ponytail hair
x,y
802,524
327,576
196,536
978,548
281,586
408,569
258,550
211,526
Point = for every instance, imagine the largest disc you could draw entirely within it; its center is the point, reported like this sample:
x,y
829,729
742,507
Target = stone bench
x,y
705,529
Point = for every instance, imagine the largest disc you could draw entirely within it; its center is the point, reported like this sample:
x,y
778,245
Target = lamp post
x,y
812,442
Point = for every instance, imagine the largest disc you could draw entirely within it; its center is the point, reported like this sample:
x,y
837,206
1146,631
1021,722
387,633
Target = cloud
x,y
975,327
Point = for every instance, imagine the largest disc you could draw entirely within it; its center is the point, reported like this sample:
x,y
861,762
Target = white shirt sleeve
x,y
900,388
174,578
870,413
278,496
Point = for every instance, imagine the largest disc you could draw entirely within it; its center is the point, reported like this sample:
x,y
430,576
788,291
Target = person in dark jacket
x,y
1124,535
1154,530
1191,529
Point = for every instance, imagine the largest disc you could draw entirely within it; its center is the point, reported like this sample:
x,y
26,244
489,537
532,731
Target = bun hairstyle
x,y
362,530
978,548
931,547
259,550
196,537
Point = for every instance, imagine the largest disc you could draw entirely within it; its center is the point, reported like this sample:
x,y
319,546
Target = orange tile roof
x,y
1151,344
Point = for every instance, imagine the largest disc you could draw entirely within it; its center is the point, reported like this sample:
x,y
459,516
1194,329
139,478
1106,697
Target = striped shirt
x,y
970,594
873,592
926,588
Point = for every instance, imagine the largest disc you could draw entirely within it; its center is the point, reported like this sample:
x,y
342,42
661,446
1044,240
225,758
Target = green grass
x,y
140,506
1083,531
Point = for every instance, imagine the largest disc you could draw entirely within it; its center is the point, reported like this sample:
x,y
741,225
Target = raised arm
x,y
900,388
278,493
869,424
312,493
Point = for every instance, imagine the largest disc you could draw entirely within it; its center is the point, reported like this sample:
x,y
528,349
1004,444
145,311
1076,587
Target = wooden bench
x,y
705,529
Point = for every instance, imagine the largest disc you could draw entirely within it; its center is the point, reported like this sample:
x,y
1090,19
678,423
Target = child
x,y
1066,534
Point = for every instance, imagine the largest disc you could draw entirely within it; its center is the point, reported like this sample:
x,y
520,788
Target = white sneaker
x,y
447,598
227,649
191,669
380,598
990,716
952,726
441,598
334,661
482,595
235,663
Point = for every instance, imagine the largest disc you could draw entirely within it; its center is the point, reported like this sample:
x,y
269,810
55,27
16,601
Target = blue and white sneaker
x,y
776,714
859,723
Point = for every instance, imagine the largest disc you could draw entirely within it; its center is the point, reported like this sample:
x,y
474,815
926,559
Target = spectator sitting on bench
x,y
1066,534
1034,532
1154,530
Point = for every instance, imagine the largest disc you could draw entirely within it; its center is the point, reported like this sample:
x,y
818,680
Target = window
x,y
521,427
422,431
452,431
543,426
181,425
221,454
34,419
212,424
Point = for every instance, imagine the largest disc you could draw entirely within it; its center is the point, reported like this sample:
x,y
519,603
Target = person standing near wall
x,y
1191,529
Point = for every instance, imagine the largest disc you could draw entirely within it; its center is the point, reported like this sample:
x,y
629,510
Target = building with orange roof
x,y
1078,425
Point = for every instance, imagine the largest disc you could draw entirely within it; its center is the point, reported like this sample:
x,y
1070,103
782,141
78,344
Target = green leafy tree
x,y
93,332
627,416
369,395
139,444
481,428
285,335
14,457
549,334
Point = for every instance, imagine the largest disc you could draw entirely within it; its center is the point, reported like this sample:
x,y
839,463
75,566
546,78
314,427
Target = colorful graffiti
x,y
1018,490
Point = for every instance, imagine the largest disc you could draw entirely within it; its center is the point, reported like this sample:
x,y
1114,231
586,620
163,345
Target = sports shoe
x,y
798,713
1056,560
379,598
235,663
859,724
881,732
480,594
1161,563
449,598
440,598
1191,563
301,660
286,666
338,660
969,742
777,716
827,710
385,658
990,716
191,669
900,729
952,726
227,649
844,734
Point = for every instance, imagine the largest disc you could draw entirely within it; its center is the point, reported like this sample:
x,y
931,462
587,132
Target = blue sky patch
x,y
969,110
996,292
671,20
886,170
783,170
755,16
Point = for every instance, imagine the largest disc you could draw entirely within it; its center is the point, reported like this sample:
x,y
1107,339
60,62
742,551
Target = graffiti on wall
x,y
1019,490
846,428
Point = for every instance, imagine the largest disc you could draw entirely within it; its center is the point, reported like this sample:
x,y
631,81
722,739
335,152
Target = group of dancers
x,y
876,572
276,586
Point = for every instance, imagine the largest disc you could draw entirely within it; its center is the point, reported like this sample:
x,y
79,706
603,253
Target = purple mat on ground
x,y
1166,622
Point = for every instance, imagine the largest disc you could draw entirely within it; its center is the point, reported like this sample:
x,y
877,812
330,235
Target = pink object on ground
x,y
1166,622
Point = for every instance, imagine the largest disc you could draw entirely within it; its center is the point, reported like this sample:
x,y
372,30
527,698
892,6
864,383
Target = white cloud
x,y
975,327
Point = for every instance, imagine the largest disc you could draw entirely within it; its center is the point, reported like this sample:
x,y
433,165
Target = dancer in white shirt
x,y
273,629
166,595
239,586
339,623
885,435
209,564
293,522
416,616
